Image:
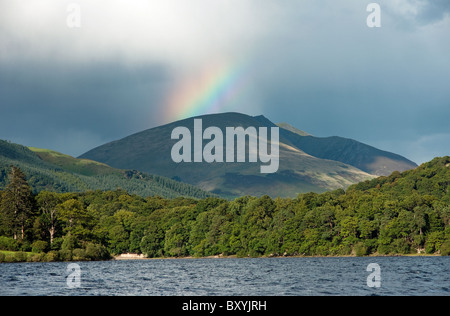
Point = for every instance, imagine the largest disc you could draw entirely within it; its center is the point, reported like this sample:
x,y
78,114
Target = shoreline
x,y
142,257
28,257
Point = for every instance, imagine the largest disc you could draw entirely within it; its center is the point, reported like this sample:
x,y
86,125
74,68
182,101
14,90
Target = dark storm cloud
x,y
381,86
317,66
412,15
60,103
432,10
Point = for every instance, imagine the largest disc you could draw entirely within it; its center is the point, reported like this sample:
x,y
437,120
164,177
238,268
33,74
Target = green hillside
x,y
53,171
431,179
401,214
68,163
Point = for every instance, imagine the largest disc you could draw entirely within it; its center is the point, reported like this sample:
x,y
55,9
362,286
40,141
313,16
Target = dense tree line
x,y
400,214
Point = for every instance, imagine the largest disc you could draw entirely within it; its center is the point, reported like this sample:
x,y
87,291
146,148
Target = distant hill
x,y
307,163
53,171
429,179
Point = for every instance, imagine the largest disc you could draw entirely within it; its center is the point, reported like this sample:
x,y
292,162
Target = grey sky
x,y
315,64
432,10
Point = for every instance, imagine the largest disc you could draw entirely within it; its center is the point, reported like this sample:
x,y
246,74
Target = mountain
x,y
53,171
354,153
364,157
307,163
293,129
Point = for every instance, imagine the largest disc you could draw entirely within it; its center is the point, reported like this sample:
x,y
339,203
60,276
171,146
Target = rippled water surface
x,y
262,276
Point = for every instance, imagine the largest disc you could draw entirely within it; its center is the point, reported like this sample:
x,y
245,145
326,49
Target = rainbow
x,y
213,90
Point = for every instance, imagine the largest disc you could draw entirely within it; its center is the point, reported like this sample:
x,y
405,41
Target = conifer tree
x,y
17,204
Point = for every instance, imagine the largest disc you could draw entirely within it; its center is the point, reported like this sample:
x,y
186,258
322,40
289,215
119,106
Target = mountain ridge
x,y
300,170
334,148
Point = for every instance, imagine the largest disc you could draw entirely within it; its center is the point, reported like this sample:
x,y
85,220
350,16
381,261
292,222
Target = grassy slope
x,y
53,171
81,166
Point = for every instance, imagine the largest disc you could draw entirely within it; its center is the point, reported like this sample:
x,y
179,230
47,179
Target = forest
x,y
404,213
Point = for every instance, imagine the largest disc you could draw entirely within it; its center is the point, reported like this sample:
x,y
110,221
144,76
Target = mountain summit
x,y
306,163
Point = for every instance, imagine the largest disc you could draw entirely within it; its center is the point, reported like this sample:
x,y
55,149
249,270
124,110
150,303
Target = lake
x,y
232,277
